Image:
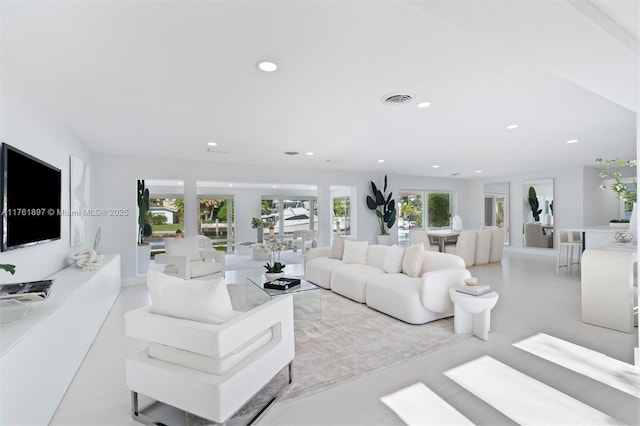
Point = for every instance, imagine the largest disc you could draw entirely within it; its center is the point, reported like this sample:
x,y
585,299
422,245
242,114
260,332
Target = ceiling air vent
x,y
291,153
396,98
218,150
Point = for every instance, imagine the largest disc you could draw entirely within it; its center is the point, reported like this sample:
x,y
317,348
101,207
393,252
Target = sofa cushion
x,y
350,280
398,295
204,301
318,270
412,260
393,259
198,268
355,251
337,248
182,247
376,254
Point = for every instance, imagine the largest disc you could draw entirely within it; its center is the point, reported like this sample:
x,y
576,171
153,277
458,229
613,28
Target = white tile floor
x,y
533,300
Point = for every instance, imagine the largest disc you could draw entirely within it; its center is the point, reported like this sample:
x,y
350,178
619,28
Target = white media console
x,y
40,354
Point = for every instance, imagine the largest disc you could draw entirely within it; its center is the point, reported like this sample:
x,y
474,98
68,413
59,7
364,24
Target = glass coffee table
x,y
306,297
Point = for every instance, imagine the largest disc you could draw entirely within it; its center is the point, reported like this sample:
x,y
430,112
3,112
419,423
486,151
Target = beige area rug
x,y
349,341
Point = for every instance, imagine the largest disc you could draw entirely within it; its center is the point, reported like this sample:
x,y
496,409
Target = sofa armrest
x,y
213,340
217,255
181,262
434,294
434,260
317,252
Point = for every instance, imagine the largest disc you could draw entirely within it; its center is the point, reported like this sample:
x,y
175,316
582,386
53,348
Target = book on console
x,y
476,290
282,283
24,292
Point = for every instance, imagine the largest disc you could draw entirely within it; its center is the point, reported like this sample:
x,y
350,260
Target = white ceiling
x,y
163,78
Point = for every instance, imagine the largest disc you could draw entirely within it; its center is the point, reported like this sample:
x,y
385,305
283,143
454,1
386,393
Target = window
x,y
216,220
342,215
166,211
417,208
438,209
290,214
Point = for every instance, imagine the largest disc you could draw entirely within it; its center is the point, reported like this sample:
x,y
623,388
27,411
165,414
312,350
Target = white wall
x,y
28,127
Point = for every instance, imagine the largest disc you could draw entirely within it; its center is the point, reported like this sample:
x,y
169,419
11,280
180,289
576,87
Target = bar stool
x,y
569,245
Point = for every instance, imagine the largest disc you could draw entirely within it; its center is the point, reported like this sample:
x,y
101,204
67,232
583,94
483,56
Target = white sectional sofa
x,y
411,284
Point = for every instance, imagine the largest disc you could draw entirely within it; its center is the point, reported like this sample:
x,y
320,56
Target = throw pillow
x,y
203,301
412,262
337,248
182,247
355,251
393,259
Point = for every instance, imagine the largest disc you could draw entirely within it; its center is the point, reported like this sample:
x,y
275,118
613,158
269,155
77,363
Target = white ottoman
x,y
472,313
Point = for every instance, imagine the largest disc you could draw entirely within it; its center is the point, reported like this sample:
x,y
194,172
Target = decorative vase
x,y
384,239
457,223
273,275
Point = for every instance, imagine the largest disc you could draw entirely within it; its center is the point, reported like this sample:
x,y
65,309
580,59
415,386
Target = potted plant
x,y
272,247
385,207
626,190
275,271
258,224
533,204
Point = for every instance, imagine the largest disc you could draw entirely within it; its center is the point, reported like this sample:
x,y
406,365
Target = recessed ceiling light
x,y
380,161
308,153
230,185
212,144
512,126
478,171
572,141
274,186
424,105
435,166
267,66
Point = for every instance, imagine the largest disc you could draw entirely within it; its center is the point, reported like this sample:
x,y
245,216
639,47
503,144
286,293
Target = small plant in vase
x,y
274,271
272,247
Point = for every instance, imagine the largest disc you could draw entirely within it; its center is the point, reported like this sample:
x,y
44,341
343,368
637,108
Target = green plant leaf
x,y
9,268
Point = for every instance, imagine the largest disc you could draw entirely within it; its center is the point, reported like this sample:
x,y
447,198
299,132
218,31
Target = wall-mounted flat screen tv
x,y
31,197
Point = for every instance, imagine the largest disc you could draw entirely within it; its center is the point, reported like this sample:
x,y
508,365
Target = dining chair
x,y
569,245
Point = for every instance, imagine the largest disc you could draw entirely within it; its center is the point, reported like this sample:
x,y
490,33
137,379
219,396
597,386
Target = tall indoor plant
x,y
534,205
144,228
385,207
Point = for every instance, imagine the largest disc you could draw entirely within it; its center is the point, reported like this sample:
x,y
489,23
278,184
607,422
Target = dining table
x,y
442,235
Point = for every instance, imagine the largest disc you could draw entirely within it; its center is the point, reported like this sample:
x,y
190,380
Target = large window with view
x,y
422,209
342,215
289,214
216,220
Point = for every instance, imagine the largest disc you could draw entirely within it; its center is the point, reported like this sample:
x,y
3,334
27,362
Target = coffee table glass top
x,y
304,285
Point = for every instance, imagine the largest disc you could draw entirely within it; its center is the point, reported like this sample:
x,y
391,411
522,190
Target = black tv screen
x,y
31,197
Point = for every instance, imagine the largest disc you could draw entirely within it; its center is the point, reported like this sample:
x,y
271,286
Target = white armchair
x,y
207,369
304,240
185,258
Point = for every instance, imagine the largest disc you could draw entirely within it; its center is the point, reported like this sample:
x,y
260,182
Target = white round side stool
x,y
472,313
